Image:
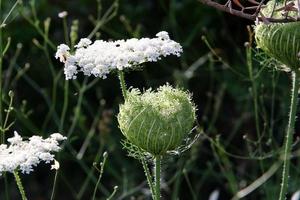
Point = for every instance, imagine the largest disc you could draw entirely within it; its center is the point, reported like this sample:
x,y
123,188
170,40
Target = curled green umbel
x,y
279,40
157,121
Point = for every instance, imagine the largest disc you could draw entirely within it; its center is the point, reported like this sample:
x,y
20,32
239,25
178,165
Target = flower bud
x,y
279,40
157,121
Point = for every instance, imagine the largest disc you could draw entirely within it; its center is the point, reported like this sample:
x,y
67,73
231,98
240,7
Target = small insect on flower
x,y
23,155
102,57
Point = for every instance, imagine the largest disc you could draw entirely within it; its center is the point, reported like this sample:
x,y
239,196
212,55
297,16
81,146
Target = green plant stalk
x,y
1,63
289,136
54,185
189,184
254,90
20,186
90,174
149,177
122,83
65,105
113,193
77,109
157,177
65,27
100,175
2,137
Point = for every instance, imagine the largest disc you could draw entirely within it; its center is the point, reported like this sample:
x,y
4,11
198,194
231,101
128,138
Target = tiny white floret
x,y
55,165
84,42
63,14
62,52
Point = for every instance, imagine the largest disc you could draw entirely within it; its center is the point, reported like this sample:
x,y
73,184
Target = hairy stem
x,y
149,177
157,177
122,83
289,136
20,186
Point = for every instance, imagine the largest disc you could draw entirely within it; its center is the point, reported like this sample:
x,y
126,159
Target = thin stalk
x,y
254,90
54,185
65,105
122,83
149,177
157,177
2,136
100,174
6,186
9,13
1,63
289,136
20,186
88,179
77,109
113,193
66,35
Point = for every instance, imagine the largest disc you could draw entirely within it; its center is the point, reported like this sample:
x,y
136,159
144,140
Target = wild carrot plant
x,y
116,95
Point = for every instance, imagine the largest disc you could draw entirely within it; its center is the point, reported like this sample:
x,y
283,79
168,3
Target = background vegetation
x,y
242,100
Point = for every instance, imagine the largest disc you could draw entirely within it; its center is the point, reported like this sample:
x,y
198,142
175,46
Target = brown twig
x,y
253,17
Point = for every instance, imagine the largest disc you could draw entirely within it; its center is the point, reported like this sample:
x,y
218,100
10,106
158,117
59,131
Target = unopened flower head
x,y
23,155
102,57
157,121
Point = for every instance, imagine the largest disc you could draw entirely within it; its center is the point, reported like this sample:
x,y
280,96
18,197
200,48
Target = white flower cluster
x,y
102,57
24,155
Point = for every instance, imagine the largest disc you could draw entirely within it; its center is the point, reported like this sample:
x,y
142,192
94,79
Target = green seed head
x,y
279,40
157,121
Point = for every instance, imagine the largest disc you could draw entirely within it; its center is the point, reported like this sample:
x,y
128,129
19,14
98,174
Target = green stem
x,y
149,177
65,105
20,186
113,193
2,137
289,136
1,63
157,177
122,83
254,92
54,185
6,186
100,174
65,26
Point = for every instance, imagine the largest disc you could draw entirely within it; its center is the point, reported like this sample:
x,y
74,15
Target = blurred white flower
x,y
23,155
63,14
214,195
102,57
296,195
